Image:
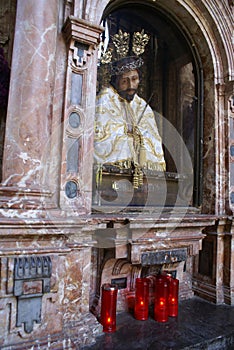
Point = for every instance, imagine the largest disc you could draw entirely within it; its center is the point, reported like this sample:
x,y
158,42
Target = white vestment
x,y
126,133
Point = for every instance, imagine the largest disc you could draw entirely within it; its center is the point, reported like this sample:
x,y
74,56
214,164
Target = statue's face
x,y
127,84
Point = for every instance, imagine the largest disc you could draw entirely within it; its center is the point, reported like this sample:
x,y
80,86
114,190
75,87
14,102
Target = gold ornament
x,y
121,49
105,56
140,40
121,43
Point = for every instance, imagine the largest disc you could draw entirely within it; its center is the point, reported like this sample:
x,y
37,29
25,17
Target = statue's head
x,y
122,63
125,76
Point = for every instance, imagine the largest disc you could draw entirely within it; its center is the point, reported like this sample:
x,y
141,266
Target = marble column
x,y
232,267
219,265
229,268
30,108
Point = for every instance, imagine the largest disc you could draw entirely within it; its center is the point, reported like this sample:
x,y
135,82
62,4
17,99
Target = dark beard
x,y
124,94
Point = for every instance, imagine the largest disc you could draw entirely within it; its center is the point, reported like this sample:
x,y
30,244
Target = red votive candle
x,y
173,297
108,307
141,309
161,299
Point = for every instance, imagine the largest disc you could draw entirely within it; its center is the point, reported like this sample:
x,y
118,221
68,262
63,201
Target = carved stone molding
x,y
27,198
79,30
82,38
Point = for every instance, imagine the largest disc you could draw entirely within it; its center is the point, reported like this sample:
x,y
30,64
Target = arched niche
x,y
172,84
198,26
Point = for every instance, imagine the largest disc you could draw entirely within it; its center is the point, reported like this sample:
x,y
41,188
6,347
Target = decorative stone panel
x,y
81,38
31,281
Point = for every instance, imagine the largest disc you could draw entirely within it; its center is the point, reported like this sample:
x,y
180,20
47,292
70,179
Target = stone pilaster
x,y
29,117
82,38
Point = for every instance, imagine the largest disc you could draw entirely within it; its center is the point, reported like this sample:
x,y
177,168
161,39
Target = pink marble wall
x,y
36,216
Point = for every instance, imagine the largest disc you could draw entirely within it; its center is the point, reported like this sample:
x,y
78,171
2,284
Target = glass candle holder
x,y
141,308
173,298
108,307
161,299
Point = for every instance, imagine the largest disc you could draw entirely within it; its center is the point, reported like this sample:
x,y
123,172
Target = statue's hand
x,y
129,129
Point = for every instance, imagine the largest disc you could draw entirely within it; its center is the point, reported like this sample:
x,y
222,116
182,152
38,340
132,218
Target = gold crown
x,y
121,42
118,57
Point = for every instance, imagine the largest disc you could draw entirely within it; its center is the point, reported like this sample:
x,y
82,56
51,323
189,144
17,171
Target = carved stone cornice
x,y
12,197
82,31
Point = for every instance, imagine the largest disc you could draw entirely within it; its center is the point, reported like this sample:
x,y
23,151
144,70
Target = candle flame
x,y
142,303
108,320
162,302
